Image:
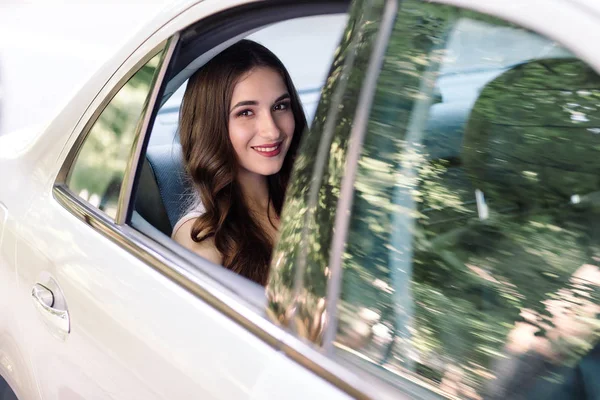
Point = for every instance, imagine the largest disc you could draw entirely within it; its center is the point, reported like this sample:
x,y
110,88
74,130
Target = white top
x,y
195,213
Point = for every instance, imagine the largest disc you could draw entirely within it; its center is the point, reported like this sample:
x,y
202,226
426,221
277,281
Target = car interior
x,y
162,190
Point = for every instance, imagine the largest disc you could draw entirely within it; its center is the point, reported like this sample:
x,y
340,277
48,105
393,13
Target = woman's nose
x,y
268,126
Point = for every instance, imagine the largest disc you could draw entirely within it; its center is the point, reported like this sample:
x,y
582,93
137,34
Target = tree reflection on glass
x,y
311,199
100,166
473,251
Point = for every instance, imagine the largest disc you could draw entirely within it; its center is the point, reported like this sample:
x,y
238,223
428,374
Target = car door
x,y
117,328
440,238
105,311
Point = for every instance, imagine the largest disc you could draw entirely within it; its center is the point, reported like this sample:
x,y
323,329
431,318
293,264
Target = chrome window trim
x,y
344,205
63,173
170,265
199,284
142,131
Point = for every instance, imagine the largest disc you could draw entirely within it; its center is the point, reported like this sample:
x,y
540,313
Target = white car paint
x,y
135,333
43,64
33,93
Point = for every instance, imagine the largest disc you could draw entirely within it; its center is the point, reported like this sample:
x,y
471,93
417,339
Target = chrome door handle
x,y
56,318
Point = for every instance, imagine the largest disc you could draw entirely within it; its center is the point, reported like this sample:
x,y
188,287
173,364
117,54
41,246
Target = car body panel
x,y
134,332
133,324
14,365
590,5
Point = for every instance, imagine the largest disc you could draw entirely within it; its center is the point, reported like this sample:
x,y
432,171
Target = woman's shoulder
x,y
182,234
191,216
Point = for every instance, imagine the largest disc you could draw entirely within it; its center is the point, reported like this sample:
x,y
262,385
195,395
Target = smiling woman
x,y
240,125
263,127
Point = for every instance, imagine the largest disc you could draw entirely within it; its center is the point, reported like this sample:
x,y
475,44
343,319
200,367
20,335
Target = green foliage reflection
x,y
309,212
99,168
469,241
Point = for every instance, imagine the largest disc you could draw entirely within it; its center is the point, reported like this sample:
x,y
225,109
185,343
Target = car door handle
x,y
56,318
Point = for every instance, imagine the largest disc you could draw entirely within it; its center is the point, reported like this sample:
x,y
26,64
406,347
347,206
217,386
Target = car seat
x,y
164,191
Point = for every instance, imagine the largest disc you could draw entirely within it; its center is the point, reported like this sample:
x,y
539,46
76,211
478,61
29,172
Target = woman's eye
x,y
245,113
282,106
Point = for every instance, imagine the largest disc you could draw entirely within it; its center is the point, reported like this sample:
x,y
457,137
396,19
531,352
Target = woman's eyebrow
x,y
282,97
245,103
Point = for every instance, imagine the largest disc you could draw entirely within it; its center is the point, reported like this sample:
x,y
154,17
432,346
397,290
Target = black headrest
x,y
534,133
164,189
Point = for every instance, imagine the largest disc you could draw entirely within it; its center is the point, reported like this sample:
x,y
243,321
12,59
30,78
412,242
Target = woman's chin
x,y
264,170
269,170
268,167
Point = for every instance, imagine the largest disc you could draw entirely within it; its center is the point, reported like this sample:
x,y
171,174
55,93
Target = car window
x,y
98,170
472,257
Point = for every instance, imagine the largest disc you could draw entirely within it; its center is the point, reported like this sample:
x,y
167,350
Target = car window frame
x,y
179,268
148,114
263,14
71,159
528,16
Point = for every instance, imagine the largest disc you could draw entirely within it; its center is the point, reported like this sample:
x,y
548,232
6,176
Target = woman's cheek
x,y
288,123
239,130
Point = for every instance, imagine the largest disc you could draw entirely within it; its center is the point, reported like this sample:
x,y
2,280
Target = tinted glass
x,y
314,189
472,257
98,170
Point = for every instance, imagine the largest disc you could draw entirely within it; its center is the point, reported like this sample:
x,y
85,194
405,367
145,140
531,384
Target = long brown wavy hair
x,y
211,162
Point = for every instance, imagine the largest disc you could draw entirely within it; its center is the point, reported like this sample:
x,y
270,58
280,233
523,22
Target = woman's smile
x,y
269,150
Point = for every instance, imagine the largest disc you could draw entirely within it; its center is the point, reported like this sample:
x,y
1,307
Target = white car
x,y
439,238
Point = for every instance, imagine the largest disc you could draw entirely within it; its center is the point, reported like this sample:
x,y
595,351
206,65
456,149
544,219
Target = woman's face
x,y
261,121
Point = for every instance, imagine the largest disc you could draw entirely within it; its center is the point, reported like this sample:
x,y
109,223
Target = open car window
x,y
163,181
306,45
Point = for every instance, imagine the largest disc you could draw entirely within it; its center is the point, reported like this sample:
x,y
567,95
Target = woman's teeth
x,y
267,149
